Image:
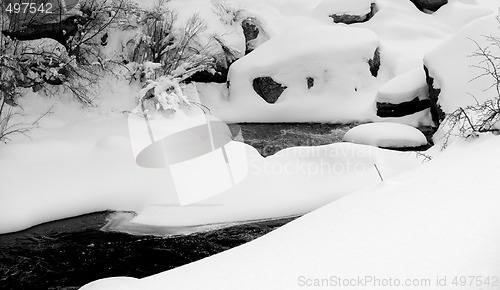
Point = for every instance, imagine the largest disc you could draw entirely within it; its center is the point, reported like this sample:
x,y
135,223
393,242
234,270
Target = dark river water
x,y
70,253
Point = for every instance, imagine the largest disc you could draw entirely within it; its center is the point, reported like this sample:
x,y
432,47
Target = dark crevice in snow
x,y
350,19
436,111
268,89
208,77
375,63
387,110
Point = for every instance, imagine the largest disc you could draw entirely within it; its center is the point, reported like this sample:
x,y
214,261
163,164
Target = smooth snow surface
x,y
438,221
385,134
294,181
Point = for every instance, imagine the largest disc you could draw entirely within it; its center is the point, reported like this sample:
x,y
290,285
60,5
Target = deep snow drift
x,y
423,228
436,222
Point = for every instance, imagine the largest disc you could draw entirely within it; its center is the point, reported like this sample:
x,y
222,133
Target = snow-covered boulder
x,y
334,62
346,11
429,5
386,135
452,70
403,95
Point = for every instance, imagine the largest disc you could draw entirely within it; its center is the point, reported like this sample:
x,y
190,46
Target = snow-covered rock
x,y
404,88
335,59
386,135
345,11
455,72
403,95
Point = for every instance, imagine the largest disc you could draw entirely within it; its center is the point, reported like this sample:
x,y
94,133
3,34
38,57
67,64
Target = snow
x,y
294,181
424,220
336,57
340,7
404,35
404,88
437,221
454,71
387,135
82,160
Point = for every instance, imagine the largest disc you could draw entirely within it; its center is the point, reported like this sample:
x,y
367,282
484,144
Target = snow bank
x,y
436,222
455,72
88,167
293,181
82,161
388,135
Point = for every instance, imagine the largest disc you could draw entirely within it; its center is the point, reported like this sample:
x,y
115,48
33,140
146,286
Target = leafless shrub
x,y
178,47
481,117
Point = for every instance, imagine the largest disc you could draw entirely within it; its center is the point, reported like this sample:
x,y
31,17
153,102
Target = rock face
x,y
251,32
268,89
436,112
386,110
375,63
350,19
431,5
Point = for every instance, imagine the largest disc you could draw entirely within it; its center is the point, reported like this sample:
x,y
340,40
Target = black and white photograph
x,y
249,144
